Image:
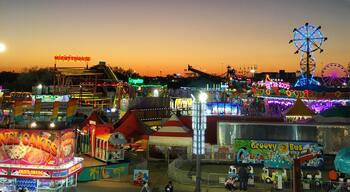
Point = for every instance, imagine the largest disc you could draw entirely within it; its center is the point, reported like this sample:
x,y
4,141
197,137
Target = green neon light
x,y
151,86
135,81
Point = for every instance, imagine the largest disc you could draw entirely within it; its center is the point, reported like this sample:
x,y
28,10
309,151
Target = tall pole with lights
x,y
199,124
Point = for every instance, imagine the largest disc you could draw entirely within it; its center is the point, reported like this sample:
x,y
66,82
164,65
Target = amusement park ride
x,y
231,77
96,87
334,75
307,39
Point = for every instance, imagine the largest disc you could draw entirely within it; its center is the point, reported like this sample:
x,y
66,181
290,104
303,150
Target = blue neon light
x,y
310,32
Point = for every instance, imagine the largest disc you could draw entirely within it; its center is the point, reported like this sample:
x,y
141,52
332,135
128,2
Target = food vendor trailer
x,y
38,160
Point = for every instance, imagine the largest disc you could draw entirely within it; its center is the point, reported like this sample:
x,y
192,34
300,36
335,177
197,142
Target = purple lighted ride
x,y
334,75
317,106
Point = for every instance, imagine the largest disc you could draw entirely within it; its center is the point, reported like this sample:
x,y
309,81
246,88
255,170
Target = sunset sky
x,y
150,36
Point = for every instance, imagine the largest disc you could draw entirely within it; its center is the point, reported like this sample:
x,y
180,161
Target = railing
x,y
219,156
179,174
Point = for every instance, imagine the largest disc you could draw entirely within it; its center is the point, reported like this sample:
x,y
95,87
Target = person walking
x,y
145,187
169,187
243,178
230,184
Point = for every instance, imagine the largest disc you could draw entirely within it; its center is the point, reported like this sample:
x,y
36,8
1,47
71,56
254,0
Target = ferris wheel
x,y
334,75
308,38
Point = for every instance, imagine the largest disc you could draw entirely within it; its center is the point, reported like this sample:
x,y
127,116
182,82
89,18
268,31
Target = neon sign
x,y
36,147
272,84
27,139
30,173
75,168
299,93
63,173
268,83
71,58
135,81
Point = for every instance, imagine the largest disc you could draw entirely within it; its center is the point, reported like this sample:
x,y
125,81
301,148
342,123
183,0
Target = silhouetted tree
x,y
28,78
123,74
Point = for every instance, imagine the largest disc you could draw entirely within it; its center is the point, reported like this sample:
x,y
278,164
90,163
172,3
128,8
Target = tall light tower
x,y
199,124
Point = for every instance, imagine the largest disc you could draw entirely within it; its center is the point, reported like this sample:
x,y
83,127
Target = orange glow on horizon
x,y
163,37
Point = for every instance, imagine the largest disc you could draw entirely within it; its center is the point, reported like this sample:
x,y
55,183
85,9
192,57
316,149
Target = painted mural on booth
x,y
276,154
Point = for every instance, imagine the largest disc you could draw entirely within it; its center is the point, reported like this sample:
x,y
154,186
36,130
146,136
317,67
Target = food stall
x,y
38,160
109,147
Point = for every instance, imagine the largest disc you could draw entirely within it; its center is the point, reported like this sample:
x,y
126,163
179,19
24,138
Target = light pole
x,y
39,89
199,124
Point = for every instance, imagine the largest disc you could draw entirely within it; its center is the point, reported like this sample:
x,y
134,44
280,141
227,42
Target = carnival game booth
x,y
231,107
299,112
171,140
132,127
98,140
109,147
39,159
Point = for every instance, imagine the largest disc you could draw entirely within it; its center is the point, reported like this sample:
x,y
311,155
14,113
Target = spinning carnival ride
x,y
307,39
334,75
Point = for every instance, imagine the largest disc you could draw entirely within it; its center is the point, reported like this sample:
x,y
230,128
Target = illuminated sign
x,y
51,98
75,168
275,154
36,147
30,173
299,93
272,84
3,171
183,103
71,58
135,81
60,173
268,83
25,139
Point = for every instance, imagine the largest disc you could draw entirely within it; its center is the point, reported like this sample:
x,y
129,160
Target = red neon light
x,y
71,58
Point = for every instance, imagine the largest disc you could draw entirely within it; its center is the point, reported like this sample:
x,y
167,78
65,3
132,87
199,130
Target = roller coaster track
x,y
107,70
111,76
205,75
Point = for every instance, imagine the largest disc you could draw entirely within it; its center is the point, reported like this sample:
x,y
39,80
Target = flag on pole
x,y
55,110
18,111
71,109
37,108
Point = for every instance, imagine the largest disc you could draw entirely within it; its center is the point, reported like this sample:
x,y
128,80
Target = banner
x,y
103,172
31,173
71,108
37,108
140,176
276,154
18,111
36,147
55,110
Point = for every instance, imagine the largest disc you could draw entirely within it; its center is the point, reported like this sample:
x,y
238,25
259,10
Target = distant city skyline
x,y
163,36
